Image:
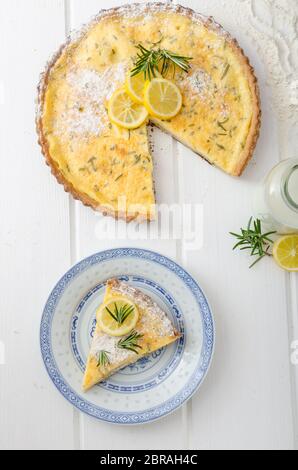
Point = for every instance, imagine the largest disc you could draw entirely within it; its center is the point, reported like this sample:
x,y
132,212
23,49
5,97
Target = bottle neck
x,y
289,188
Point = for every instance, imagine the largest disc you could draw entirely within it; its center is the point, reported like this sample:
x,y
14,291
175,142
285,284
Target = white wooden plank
x,y
293,340
34,236
292,295
246,400
93,234
290,149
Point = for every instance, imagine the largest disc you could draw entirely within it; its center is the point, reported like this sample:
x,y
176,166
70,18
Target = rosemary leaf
x,y
130,342
227,68
103,359
118,177
120,314
254,240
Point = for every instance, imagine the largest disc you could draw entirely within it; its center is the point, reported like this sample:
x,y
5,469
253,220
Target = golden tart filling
x,y
110,168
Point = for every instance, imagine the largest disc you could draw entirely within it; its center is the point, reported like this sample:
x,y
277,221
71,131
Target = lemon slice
x,y
124,112
117,317
285,252
135,86
162,98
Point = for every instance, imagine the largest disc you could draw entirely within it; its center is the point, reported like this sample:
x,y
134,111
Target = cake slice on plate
x,y
129,325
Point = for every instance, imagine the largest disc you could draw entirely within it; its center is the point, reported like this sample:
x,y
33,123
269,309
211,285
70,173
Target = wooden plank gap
x,y
77,425
67,17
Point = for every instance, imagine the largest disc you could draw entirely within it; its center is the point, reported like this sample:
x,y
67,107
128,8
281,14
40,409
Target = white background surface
x,y
249,399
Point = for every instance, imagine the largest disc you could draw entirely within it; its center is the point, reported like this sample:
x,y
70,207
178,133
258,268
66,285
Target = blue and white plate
x,y
156,385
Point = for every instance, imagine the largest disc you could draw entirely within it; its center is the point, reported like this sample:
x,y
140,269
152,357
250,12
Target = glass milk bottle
x,y
276,199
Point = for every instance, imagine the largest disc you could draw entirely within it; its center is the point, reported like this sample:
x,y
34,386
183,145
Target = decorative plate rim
x,y
166,407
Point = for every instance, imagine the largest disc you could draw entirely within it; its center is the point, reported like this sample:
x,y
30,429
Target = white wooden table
x,y
249,399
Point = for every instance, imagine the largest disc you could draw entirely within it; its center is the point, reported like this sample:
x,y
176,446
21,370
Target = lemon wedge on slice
x,y
162,98
125,112
117,317
285,252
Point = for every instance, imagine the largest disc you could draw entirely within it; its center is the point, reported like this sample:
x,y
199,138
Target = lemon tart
x,y
110,168
143,325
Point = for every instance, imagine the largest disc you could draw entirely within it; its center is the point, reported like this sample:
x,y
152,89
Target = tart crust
x,y
209,22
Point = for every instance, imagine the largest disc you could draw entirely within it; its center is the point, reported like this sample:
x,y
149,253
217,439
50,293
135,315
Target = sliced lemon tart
x,y
129,325
109,167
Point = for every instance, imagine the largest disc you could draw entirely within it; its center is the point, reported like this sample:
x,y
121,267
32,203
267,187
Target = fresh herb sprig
x,y
120,314
131,342
167,58
148,61
103,359
254,240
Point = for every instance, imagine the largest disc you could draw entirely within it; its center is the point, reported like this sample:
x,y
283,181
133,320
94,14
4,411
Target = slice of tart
x,y
130,325
111,169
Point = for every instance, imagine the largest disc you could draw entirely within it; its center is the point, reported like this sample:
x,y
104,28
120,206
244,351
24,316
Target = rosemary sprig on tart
x,y
154,61
103,359
121,313
131,342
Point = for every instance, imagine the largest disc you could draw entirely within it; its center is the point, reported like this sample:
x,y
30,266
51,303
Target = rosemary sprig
x,y
227,68
148,61
254,240
118,177
221,124
103,359
177,60
121,314
131,342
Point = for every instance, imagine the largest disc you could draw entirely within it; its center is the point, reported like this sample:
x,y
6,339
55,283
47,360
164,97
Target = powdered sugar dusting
x,y
200,83
103,342
225,111
83,120
96,86
90,90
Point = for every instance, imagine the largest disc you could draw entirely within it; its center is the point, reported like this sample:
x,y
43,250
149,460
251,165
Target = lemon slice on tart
x,y
162,98
134,85
125,112
285,252
117,317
